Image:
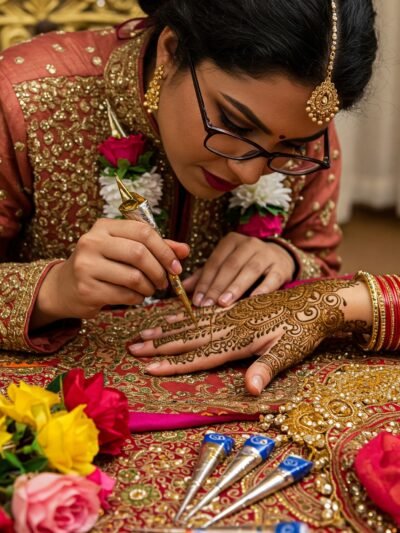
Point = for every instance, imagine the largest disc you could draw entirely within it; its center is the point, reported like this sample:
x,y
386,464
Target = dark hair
x,y
275,36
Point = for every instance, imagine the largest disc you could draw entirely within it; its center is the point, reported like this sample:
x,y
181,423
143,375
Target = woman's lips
x,y
218,183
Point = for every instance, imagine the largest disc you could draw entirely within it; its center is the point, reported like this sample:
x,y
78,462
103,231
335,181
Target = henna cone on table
x,y
215,448
292,469
256,449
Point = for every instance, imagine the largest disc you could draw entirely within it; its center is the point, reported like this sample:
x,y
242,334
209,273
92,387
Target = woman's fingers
x,y
140,234
181,249
122,275
210,270
191,282
271,282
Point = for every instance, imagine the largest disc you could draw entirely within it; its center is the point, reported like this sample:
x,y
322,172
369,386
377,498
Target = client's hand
x,y
280,328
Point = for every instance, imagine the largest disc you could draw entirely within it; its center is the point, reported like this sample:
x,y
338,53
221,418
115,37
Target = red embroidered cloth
x,y
360,393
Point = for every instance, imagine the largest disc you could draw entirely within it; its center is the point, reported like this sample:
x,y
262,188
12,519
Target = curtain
x,y
370,134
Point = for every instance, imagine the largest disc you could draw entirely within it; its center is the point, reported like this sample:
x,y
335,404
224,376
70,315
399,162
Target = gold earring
x,y
152,95
324,101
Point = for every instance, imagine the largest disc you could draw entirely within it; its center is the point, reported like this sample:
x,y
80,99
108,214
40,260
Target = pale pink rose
x,y
262,226
106,484
55,503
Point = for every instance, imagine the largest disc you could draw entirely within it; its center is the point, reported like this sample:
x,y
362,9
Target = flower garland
x,y
126,158
261,207
48,441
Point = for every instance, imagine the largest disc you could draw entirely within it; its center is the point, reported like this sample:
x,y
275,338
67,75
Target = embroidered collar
x,y
124,87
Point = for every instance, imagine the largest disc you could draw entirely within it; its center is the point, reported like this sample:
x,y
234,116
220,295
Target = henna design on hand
x,y
294,320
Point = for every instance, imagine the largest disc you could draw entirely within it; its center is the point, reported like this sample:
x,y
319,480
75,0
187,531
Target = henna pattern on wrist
x,y
301,317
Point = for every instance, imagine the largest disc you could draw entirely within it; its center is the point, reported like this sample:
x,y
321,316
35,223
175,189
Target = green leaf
x,y
14,461
246,216
123,164
56,385
36,464
6,468
104,162
123,167
36,447
139,170
19,432
273,209
145,160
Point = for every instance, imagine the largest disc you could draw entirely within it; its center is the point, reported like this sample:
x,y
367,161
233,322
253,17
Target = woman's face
x,y
269,111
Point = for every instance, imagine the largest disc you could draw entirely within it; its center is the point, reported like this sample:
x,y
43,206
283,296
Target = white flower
x,y
268,190
148,185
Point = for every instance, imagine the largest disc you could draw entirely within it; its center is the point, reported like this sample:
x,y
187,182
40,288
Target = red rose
x,y
378,468
130,148
6,523
107,407
262,226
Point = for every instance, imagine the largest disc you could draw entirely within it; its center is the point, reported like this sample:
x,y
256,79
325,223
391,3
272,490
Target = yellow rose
x,y
4,435
28,404
69,441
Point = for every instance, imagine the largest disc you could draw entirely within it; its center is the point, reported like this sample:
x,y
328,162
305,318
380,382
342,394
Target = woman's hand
x,y
281,329
237,262
118,262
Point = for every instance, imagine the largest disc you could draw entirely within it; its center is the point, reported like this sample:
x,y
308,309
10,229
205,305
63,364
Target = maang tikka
x,y
152,95
324,101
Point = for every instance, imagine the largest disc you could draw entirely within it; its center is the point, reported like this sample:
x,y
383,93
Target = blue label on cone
x,y
223,440
263,445
289,527
296,466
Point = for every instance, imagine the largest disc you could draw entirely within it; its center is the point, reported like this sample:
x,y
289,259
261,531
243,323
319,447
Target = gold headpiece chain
x,y
324,101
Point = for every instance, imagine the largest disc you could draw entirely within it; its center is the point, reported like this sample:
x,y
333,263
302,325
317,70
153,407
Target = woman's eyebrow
x,y
248,113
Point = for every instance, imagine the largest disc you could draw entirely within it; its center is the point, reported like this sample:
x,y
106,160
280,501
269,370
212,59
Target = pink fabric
x,y
296,283
139,422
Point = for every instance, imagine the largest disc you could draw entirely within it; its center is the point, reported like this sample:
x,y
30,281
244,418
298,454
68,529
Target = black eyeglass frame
x,y
261,152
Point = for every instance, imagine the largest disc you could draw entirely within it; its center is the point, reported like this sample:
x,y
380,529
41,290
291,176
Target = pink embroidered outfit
x,y
53,116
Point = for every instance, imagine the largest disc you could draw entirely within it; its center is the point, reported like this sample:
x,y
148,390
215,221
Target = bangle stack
x,y
385,297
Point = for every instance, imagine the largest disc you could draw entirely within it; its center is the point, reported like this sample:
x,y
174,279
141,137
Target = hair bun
x,y
150,6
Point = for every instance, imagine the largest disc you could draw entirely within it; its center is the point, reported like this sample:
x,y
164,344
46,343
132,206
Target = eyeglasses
x,y
232,146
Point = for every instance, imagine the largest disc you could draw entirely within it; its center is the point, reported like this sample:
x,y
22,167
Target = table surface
x,y
357,394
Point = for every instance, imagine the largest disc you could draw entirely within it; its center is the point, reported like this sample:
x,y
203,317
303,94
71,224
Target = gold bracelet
x,y
369,280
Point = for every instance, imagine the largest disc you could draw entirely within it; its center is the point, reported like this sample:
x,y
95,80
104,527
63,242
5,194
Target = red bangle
x,y
395,311
386,290
395,284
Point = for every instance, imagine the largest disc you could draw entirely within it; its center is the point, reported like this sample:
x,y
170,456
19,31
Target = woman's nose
x,y
249,171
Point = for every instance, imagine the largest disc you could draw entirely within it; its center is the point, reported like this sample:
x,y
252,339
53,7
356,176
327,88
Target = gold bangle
x,y
369,280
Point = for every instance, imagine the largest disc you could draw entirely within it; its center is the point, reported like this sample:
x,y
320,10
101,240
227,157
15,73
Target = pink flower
x,y
107,407
6,524
262,226
130,148
55,502
106,484
377,466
